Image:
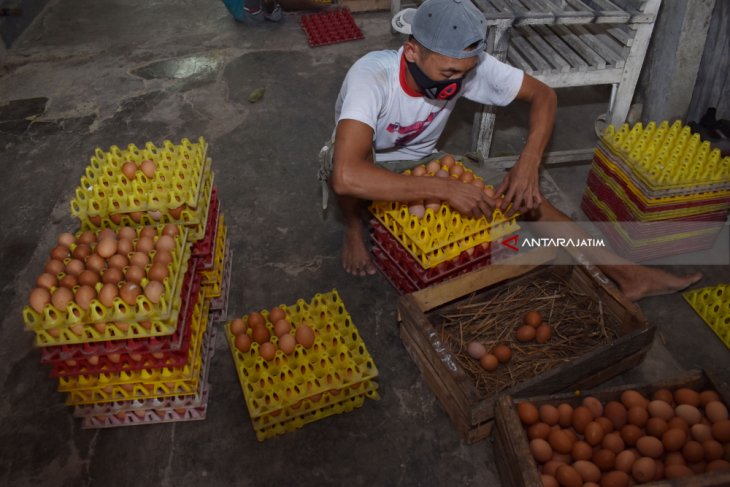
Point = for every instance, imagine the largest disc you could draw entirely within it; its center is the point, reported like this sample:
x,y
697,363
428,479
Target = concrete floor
x,y
105,73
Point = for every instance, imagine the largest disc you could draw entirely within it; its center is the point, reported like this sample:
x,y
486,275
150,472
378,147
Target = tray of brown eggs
x,y
674,432
109,285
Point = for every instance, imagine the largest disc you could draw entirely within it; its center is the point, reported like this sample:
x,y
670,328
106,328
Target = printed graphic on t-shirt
x,y
410,132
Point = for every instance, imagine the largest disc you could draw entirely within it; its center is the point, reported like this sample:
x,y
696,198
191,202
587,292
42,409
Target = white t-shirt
x,y
406,125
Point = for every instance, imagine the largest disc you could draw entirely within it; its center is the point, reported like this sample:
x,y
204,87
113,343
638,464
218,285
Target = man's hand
x,y
521,185
469,200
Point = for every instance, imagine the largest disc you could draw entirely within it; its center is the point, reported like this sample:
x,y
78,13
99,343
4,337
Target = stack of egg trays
x,y
219,305
213,278
131,355
165,382
163,315
203,248
399,265
153,410
333,376
712,303
441,235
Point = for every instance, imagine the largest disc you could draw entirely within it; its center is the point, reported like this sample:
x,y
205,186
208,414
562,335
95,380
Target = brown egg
x,y
157,272
567,476
625,461
616,412
615,478
649,446
708,396
107,233
176,212
95,262
163,257
548,481
89,278
687,396
503,353
543,334
718,466
587,470
129,169
154,291
660,409
46,281
238,327
476,350
107,293
489,362
276,314
605,423
593,433
125,246
68,281
644,470
551,467
677,422
664,395
525,333
106,247
560,441
243,342
134,274
571,434
527,412
638,416
139,259
674,439
630,433
39,298
148,231
129,292
713,450
118,261
267,350
701,432
541,450
538,430
86,237
721,431
656,427
81,252
127,233
613,442
287,344
261,334
716,411
66,239
595,406
631,398
165,243
116,218
581,451
305,335
60,252
148,168
562,457
548,414
84,295
565,411
689,413
282,327
61,297
255,319
532,318
659,470
170,230
54,267
75,267
581,417
144,244
111,275
677,471
693,452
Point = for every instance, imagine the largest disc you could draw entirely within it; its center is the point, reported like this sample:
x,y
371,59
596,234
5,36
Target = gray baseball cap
x,y
447,27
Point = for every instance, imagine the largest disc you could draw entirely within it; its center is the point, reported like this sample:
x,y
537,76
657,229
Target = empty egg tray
x,y
712,303
330,27
203,248
219,305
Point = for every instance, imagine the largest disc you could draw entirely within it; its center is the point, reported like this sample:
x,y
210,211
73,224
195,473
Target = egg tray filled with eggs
x,y
327,364
151,178
160,385
439,234
712,303
135,358
99,280
633,435
203,248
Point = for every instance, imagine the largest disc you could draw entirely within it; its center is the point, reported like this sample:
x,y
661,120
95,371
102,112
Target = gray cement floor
x,y
105,73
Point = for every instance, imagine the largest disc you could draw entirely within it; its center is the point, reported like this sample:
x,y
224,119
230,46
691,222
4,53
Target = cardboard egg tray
x,y
125,360
442,235
162,314
204,248
292,386
163,387
712,303
178,179
669,159
89,381
213,274
169,343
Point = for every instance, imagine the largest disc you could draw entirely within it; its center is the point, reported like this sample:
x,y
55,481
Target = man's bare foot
x,y
355,256
641,282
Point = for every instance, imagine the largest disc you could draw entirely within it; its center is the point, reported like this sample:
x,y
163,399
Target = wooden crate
x,y
517,467
472,413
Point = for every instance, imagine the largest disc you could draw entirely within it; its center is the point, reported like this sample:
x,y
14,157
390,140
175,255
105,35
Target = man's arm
x,y
521,186
355,174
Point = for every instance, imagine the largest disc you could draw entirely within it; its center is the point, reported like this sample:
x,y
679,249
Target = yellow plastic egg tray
x,y
194,219
669,157
337,366
712,303
73,316
215,289
212,276
164,374
178,179
147,389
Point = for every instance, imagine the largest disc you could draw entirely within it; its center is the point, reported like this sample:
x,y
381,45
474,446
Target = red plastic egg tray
x,y
203,248
330,27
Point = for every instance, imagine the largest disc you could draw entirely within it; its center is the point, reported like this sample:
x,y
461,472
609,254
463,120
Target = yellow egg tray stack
x,y
75,325
175,382
213,279
670,158
333,376
712,303
441,235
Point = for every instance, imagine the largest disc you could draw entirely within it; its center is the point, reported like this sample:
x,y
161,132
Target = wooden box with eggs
x,y
578,331
300,363
674,432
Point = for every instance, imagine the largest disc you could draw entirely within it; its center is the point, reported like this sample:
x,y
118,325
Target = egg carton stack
x,y
419,245
300,363
662,190
142,376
